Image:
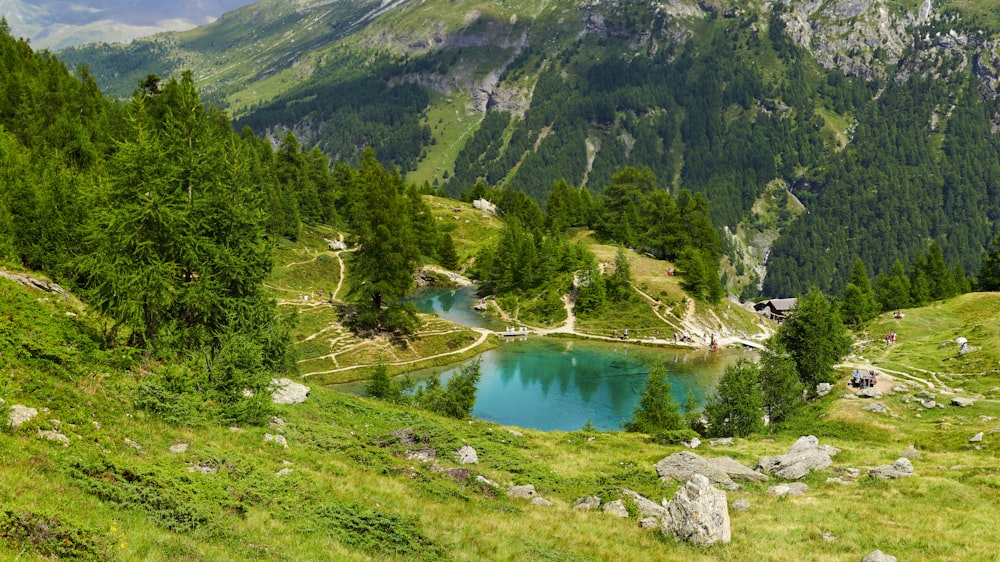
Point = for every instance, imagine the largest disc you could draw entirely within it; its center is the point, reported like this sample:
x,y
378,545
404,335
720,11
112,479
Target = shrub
x,y
673,437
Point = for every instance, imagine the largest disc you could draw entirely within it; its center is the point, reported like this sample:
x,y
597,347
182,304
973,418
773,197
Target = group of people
x,y
614,333
864,379
890,339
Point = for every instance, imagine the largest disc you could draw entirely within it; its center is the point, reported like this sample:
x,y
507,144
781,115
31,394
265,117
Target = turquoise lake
x,y
561,383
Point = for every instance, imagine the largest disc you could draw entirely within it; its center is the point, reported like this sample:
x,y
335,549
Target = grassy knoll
x,y
471,229
344,489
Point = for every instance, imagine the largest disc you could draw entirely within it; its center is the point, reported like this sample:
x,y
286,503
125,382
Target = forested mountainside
x,y
879,117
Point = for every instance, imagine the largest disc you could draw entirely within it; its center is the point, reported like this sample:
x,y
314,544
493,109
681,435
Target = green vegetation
x,y
657,412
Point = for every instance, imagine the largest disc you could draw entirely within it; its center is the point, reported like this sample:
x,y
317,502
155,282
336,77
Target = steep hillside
x,y
879,117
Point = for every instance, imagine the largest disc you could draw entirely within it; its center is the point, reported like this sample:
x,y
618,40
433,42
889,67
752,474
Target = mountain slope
x,y
832,100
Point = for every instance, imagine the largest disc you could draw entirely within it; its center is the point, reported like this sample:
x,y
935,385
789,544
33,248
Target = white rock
x,y
878,556
179,448
962,402
698,514
284,472
467,455
19,414
539,500
616,508
899,469
526,491
54,436
789,489
976,438
287,391
276,439
587,504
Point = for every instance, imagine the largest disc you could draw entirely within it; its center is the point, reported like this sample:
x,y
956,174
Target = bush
x,y
673,437
378,533
49,537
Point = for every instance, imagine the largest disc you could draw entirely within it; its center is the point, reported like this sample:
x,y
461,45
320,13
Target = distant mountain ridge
x,y
880,117
55,24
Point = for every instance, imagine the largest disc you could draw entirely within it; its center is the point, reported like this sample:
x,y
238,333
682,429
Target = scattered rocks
x,y
849,396
912,453
179,448
804,456
877,408
789,489
723,442
924,395
878,556
18,415
133,444
277,423
284,472
870,392
976,438
616,508
467,455
276,439
426,454
723,471
740,505
203,468
540,501
526,491
52,435
287,391
900,388
587,504
962,402
694,443
405,436
823,388
698,514
646,507
899,469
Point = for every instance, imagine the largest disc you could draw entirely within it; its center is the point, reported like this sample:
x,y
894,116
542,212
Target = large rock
x,y
287,391
804,456
899,469
616,508
527,491
698,514
587,504
646,506
823,388
467,455
53,435
962,402
19,414
789,489
878,556
870,392
723,471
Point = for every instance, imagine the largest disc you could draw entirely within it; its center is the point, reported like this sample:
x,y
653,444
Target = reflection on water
x,y
549,383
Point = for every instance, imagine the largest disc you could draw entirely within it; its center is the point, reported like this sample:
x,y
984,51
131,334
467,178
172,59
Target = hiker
x,y
856,379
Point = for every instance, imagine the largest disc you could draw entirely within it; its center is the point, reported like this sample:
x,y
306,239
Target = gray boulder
x,y
823,388
924,395
649,523
899,469
962,402
526,492
587,504
698,514
179,448
646,507
616,508
287,391
276,439
722,471
52,435
803,457
467,455
722,442
878,556
870,392
977,438
540,501
927,403
740,505
694,443
19,414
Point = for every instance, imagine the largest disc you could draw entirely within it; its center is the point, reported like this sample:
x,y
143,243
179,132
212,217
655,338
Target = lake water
x,y
561,383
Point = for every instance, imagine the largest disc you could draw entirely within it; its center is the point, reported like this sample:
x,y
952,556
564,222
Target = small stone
x,y
829,537
179,448
899,469
924,395
823,388
18,415
616,508
285,472
900,388
540,501
484,480
878,556
789,489
277,423
694,443
849,396
133,444
588,503
287,391
54,436
526,491
467,455
928,404
426,454
962,402
740,505
723,442
276,439
876,408
840,480
976,438
912,453
515,433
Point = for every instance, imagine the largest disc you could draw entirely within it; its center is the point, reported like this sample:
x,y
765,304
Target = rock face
x,y
698,514
467,455
878,556
19,414
805,456
899,469
287,391
723,471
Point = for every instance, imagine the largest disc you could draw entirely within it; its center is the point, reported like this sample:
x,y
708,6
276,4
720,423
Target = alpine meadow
x,y
466,280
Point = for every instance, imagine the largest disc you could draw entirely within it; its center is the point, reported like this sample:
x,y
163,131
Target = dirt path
x,y
483,334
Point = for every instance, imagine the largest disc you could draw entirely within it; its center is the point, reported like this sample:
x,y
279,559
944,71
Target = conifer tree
x,y
446,252
815,338
657,410
858,304
989,271
736,409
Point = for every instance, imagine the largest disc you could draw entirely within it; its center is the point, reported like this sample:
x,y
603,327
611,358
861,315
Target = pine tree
x,y
815,338
858,304
989,271
657,410
446,252
779,382
737,407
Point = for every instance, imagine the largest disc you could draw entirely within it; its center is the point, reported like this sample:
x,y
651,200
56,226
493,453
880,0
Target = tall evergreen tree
x,y
657,410
737,407
989,271
858,304
815,338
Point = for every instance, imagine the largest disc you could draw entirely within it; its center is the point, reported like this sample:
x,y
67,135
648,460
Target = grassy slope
x,y
99,493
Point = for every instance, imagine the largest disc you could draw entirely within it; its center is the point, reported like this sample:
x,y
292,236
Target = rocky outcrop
x,y
287,391
467,455
698,514
526,491
962,402
899,469
723,471
805,456
18,415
